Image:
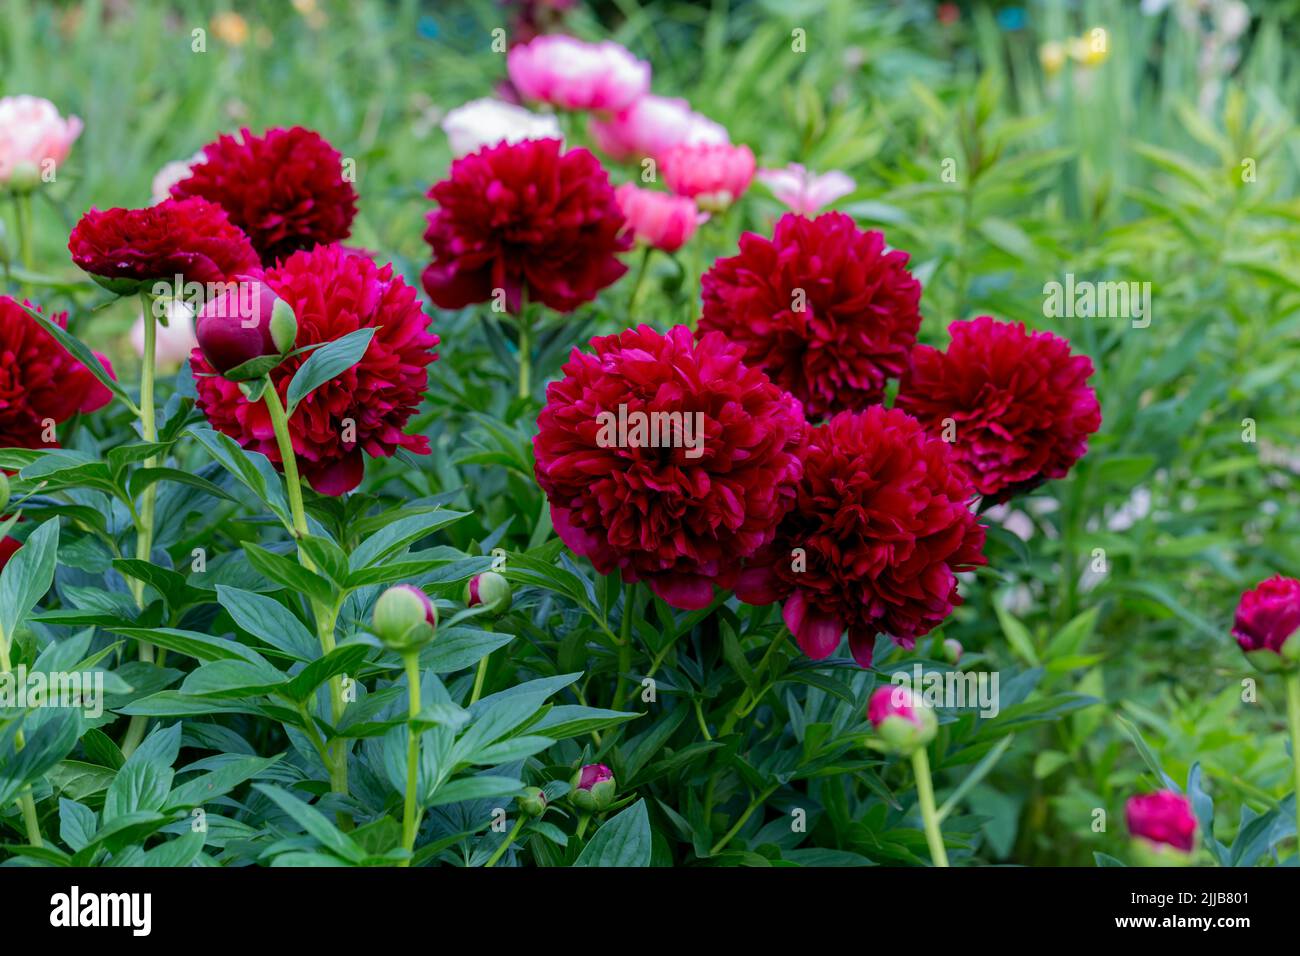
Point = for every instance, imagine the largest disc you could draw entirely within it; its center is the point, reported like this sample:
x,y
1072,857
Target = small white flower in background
x,y
32,133
805,192
171,174
175,340
487,122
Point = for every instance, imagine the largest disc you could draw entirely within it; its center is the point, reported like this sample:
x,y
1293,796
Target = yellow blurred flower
x,y
1052,57
1092,48
230,28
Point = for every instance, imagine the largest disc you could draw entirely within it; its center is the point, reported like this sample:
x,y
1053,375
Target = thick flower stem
x,y
625,644
1293,718
749,812
479,677
505,844
929,817
23,226
410,813
326,617
25,801
641,271
149,500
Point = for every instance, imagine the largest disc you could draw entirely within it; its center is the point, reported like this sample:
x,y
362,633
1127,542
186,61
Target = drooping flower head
x,y
528,219
804,192
1016,404
713,174
651,126
575,75
667,459
1162,822
1267,623
32,135
363,410
286,189
487,122
822,307
880,527
125,249
657,219
39,381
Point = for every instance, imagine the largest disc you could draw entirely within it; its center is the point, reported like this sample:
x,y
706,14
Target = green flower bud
x,y
404,618
490,590
952,650
532,802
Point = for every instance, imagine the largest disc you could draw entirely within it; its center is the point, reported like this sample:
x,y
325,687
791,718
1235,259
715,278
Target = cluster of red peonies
x,y
40,382
821,307
1267,623
286,189
1162,822
124,249
526,218
333,292
1018,401
880,527
681,521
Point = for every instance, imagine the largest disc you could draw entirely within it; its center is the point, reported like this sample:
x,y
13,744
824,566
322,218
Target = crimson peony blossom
x,y
1267,623
667,459
332,293
39,381
1164,818
192,238
1016,403
821,307
285,189
879,529
713,174
525,218
8,548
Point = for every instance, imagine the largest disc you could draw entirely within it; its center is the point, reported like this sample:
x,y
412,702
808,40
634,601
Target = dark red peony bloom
x,y
365,409
8,548
527,219
192,238
285,189
1163,817
1268,620
39,381
821,307
667,459
1015,404
880,527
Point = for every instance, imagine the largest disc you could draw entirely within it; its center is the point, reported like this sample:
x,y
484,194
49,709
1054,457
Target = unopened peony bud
x,y
594,788
247,331
532,801
902,720
1163,828
404,618
1267,625
489,589
952,650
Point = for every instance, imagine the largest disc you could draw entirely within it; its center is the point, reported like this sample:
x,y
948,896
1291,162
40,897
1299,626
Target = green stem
x,y
525,352
744,705
929,817
411,813
25,800
23,226
1293,717
479,678
749,812
505,845
625,644
640,281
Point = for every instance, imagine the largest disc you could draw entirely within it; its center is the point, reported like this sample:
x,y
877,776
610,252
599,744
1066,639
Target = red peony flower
x,y
878,532
821,307
1016,405
1162,818
193,238
1267,622
39,381
527,219
667,459
285,189
8,548
333,293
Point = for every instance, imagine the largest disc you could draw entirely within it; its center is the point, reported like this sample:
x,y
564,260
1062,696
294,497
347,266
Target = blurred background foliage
x,y
1149,142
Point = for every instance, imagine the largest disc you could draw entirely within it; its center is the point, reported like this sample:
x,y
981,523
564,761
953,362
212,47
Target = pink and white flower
x,y
651,126
32,134
488,121
805,192
574,75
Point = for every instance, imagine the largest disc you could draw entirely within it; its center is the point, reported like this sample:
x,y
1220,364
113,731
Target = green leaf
x,y
232,679
201,647
315,823
27,577
325,363
77,823
290,574
269,621
252,468
400,534
346,658
624,840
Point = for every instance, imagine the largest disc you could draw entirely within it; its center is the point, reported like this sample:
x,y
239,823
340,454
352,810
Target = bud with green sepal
x,y
246,332
532,801
404,618
489,590
593,788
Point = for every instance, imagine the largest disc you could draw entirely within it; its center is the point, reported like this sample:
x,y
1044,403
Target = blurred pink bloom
x,y
172,173
487,122
713,174
175,340
804,192
31,133
658,219
571,74
651,126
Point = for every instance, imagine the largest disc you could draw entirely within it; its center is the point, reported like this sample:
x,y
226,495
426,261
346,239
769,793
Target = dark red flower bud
x,y
246,331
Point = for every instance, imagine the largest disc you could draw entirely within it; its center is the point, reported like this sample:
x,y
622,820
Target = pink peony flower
x,y
487,122
32,133
804,192
573,75
651,126
658,219
713,174
1164,818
